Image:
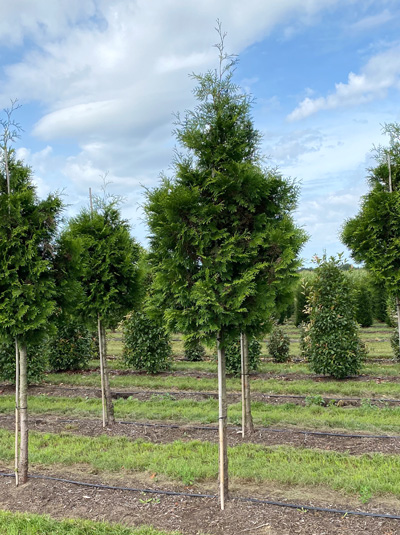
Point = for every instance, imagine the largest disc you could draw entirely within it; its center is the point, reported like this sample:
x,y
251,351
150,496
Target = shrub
x,y
194,351
37,361
146,343
364,307
71,347
301,296
334,345
278,345
394,342
233,356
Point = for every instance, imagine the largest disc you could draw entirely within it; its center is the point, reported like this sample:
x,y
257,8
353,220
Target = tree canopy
x,y
373,235
223,242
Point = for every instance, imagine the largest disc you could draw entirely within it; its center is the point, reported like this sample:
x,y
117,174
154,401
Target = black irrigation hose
x,y
215,394
215,428
212,496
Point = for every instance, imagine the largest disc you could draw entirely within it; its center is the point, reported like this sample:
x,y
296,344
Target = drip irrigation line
x,y
211,496
122,394
215,428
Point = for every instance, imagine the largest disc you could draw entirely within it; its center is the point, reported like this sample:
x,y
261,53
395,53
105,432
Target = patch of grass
x,y
369,389
29,524
368,417
190,462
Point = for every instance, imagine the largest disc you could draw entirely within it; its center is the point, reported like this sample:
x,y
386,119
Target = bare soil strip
x,y
190,516
163,434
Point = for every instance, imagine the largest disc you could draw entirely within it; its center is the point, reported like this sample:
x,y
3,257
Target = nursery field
x,y
319,443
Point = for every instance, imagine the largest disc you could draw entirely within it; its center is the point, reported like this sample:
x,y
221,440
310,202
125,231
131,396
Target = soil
x,y
191,516
145,395
161,433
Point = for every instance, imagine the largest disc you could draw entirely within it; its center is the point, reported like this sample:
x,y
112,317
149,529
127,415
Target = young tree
x,y
109,276
223,242
332,340
373,235
27,286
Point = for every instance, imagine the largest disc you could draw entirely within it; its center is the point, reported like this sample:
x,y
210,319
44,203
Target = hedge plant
x,y
233,356
146,345
278,345
332,334
72,347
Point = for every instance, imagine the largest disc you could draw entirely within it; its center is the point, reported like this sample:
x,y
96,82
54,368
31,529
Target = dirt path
x,y
190,516
164,434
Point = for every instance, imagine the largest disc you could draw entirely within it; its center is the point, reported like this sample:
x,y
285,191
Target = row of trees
x,y
48,276
224,249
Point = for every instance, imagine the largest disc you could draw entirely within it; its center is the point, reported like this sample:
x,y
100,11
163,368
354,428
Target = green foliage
x,y
37,361
233,356
373,235
146,344
301,295
109,257
27,236
379,300
223,242
360,280
332,333
194,350
71,347
394,342
278,345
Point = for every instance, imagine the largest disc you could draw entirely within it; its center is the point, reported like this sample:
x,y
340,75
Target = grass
x,y
366,418
30,524
366,389
192,462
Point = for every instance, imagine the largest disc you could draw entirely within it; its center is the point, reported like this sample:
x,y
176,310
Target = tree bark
x,y
398,317
247,420
107,389
222,423
23,410
103,398
16,413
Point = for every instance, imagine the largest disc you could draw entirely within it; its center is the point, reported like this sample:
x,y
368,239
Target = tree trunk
x,y
16,412
107,389
103,402
23,410
398,317
222,424
247,420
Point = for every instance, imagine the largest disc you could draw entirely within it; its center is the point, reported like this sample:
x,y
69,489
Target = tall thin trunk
x,y
222,423
23,409
107,389
16,412
103,402
247,420
398,317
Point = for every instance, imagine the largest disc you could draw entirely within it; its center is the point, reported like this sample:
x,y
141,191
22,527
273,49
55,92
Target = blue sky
x,y
99,81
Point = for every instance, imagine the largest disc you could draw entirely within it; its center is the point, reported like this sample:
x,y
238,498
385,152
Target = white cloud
x,y
381,73
372,21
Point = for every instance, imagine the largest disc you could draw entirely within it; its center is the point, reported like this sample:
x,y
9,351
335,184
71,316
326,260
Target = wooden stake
x,y
91,201
222,422
23,410
103,404
247,420
16,412
107,389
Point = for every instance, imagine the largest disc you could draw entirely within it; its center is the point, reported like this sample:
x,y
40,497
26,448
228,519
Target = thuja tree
x,y
27,286
331,339
223,242
109,275
373,235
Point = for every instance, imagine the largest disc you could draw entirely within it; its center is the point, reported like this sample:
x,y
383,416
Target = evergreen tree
x,y
27,286
109,274
223,243
373,235
331,336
